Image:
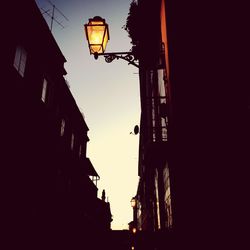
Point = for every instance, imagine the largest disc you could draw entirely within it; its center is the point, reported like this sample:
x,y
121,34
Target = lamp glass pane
x,y
95,48
105,40
133,203
95,35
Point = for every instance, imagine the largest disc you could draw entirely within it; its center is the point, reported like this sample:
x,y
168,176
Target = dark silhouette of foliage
x,y
132,23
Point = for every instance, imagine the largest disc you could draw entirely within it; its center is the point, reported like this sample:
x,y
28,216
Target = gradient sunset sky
x,y
106,93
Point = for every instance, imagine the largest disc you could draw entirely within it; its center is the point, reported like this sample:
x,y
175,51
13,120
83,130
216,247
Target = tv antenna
x,y
52,16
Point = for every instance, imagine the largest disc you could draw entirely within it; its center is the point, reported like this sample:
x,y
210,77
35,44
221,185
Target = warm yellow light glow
x,y
134,230
97,35
132,248
133,202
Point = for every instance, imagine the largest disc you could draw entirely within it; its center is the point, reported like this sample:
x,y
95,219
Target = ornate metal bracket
x,y
127,56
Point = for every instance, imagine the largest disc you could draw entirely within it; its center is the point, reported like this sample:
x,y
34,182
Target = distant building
x,y
50,185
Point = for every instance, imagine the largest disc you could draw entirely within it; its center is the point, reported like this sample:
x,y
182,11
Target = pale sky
x,y
107,94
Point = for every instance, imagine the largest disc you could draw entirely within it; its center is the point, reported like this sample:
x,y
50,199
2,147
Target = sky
x,y
106,93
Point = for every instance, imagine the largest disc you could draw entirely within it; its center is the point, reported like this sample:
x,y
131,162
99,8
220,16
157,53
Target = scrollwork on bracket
x,y
129,57
110,58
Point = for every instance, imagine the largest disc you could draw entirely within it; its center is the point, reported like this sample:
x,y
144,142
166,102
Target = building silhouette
x,y
153,199
50,186
194,129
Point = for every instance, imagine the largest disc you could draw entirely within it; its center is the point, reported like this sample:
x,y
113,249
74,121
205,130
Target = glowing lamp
x,y
97,34
133,202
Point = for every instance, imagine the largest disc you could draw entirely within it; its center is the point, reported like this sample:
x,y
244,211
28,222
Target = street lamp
x,y
133,202
97,34
134,206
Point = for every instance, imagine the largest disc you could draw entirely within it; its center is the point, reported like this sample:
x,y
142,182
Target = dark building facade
x,y
153,211
50,186
194,133
154,206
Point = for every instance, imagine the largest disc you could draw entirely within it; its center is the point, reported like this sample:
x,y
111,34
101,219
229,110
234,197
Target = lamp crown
x,y
97,18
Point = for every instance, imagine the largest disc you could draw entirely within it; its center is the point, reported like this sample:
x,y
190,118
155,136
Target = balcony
x,y
90,171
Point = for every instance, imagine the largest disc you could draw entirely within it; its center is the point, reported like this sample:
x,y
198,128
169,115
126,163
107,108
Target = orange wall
x,y
165,41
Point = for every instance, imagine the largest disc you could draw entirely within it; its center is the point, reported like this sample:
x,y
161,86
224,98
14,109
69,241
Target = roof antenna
x,y
52,16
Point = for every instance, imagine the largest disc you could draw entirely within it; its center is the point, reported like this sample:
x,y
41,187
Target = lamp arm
x,y
127,56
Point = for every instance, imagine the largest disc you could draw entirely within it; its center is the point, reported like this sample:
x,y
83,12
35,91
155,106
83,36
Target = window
x,y
157,205
20,60
167,198
62,127
80,151
72,141
44,90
